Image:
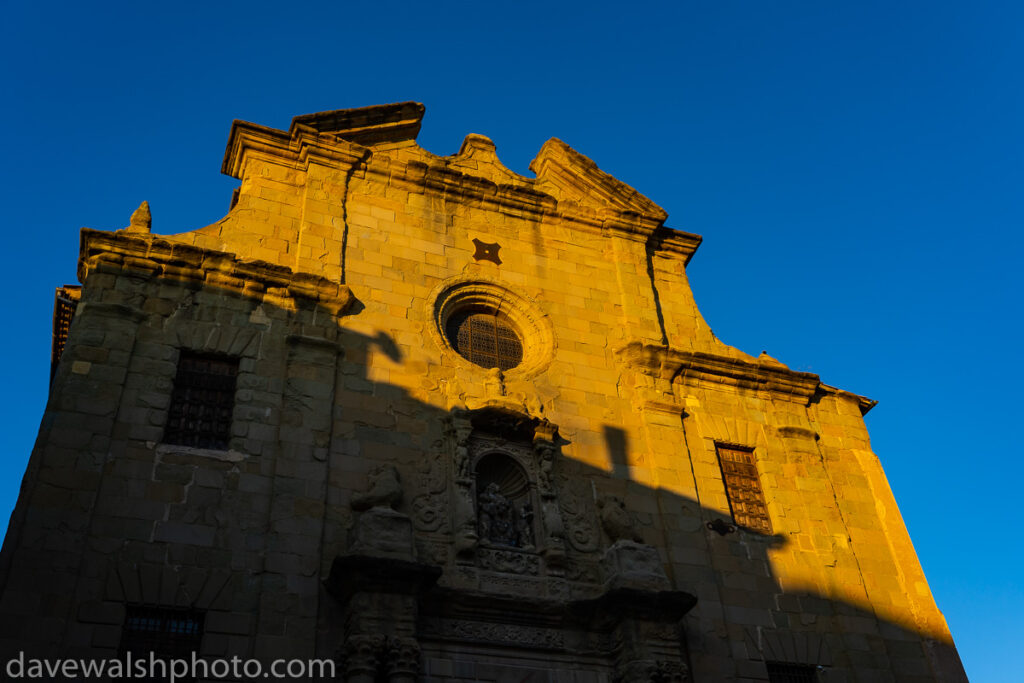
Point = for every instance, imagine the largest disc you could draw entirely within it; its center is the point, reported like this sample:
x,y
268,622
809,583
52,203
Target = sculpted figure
x,y
546,451
461,462
383,488
497,517
616,520
524,526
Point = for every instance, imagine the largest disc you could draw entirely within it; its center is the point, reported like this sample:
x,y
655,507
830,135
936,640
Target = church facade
x,y
437,421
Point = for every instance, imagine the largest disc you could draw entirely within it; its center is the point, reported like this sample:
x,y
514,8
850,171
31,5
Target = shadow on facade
x,y
350,520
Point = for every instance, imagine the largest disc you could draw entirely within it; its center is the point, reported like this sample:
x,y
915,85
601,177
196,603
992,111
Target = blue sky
x,y
854,168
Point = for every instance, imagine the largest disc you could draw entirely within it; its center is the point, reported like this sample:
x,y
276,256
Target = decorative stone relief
x,y
383,489
510,584
652,671
430,508
362,656
583,571
505,634
435,553
512,561
617,521
501,522
580,518
401,658
380,530
464,523
628,564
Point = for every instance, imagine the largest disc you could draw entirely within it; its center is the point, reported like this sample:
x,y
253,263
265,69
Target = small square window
x,y
202,401
743,488
165,632
787,672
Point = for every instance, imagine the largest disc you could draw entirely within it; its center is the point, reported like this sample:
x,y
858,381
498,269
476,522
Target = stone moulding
x,y
366,125
569,188
672,242
488,613
298,148
150,256
351,574
533,325
672,365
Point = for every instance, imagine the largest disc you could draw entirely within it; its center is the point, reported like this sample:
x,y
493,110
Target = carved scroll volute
x,y
545,448
463,510
363,654
402,660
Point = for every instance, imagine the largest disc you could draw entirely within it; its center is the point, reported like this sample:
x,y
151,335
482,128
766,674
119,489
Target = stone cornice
x,y
525,199
675,243
299,147
146,255
382,123
569,188
763,374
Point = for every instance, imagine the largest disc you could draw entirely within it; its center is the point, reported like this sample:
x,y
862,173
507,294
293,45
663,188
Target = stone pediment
x,y
567,182
570,177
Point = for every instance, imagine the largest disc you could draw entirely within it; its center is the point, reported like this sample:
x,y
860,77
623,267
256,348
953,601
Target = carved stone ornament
x,y
512,561
500,633
501,522
402,658
383,489
545,451
363,655
652,671
486,251
628,564
617,521
581,530
141,220
430,506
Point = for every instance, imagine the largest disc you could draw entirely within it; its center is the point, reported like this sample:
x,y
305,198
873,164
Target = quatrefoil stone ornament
x,y
487,251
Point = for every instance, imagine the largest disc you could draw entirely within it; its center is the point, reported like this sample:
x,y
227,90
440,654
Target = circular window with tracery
x,y
485,338
488,326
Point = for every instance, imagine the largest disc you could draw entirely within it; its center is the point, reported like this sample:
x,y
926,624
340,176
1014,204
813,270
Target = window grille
x,y
202,401
785,672
486,339
167,633
743,488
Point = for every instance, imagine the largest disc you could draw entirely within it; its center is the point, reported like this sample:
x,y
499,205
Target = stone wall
x,y
330,280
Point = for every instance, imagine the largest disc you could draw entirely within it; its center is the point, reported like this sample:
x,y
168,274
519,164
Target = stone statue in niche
x,y
497,517
501,523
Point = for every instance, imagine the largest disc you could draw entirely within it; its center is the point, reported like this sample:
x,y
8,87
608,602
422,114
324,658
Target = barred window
x,y
202,401
743,488
167,633
785,672
485,338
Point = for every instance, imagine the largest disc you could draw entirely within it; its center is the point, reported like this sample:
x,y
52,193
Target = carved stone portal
x,y
504,495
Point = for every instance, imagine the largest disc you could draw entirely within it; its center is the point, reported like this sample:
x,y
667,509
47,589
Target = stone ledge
x,y
149,256
666,363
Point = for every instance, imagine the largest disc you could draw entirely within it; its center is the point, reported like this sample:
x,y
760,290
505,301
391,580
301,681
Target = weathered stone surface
x,y
382,532
628,564
333,279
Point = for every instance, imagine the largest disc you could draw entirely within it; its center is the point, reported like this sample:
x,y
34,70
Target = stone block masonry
x,y
389,503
